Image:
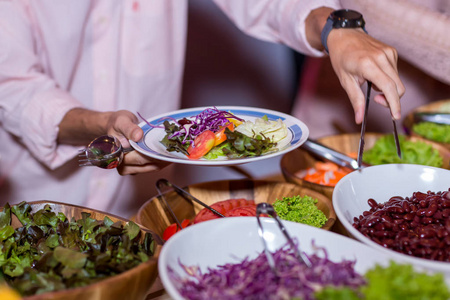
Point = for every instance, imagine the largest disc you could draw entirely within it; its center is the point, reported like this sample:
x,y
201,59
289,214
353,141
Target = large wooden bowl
x,y
155,215
132,284
437,106
299,160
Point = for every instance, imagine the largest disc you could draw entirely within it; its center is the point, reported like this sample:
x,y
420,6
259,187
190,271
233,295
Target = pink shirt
x,y
103,55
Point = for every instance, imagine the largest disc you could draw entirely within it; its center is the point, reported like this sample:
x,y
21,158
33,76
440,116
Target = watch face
x,y
346,18
347,14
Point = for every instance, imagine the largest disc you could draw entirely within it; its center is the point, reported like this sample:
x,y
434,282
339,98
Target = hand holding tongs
x,y
363,129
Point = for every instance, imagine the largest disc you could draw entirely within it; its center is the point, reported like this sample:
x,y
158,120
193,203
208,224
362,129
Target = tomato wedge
x,y
222,207
173,228
202,144
220,134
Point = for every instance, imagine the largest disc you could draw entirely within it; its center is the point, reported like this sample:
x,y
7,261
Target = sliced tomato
x,y
243,211
202,144
221,136
222,207
173,228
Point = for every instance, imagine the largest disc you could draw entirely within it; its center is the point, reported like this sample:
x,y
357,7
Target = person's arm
x,y
419,32
31,103
355,56
48,120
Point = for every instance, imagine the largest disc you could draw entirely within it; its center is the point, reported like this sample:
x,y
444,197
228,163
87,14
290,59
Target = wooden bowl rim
x,y
407,121
153,260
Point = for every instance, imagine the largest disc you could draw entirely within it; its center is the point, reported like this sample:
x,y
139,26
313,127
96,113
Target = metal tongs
x,y
433,117
329,154
363,129
183,194
266,208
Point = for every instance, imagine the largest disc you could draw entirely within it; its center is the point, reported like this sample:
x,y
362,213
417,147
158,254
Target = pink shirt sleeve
x,y
417,29
31,104
276,21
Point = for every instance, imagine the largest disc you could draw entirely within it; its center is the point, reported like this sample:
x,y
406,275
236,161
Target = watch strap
x,y
325,32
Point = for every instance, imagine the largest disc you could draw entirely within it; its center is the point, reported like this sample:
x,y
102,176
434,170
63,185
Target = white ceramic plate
x,y
381,183
151,146
230,240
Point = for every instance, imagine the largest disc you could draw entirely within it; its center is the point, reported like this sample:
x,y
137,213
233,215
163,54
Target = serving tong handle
x,y
363,129
266,208
329,154
183,194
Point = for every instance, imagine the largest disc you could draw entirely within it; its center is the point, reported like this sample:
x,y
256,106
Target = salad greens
x,y
432,131
396,281
413,152
50,252
301,210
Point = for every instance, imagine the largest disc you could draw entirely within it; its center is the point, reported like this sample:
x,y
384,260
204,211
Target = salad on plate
x,y
220,136
217,133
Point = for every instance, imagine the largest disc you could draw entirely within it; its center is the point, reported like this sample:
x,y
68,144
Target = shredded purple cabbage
x,y
254,279
210,119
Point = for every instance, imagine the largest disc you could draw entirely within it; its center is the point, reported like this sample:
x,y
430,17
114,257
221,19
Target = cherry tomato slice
x,y
173,228
221,136
202,144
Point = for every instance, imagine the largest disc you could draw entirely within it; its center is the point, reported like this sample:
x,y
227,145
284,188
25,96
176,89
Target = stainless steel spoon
x,y
104,152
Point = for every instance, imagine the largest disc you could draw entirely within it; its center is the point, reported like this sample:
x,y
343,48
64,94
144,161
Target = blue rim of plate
x,y
298,130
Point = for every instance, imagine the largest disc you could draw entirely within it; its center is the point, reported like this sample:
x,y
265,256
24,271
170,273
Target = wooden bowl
x,y
132,284
437,106
155,215
299,160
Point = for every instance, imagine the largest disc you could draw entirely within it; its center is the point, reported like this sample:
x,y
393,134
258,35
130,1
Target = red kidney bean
x,y
427,234
423,203
446,213
406,206
431,210
419,196
409,216
421,212
403,227
372,203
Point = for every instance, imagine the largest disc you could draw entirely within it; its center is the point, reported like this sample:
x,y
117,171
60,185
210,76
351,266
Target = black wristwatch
x,y
343,18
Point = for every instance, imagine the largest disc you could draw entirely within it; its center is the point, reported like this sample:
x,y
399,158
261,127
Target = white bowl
x,y
230,240
381,183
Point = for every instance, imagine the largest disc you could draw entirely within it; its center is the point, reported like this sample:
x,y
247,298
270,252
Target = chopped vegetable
x,y
220,134
50,252
324,173
418,152
173,228
396,281
301,210
254,279
202,144
274,130
432,131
